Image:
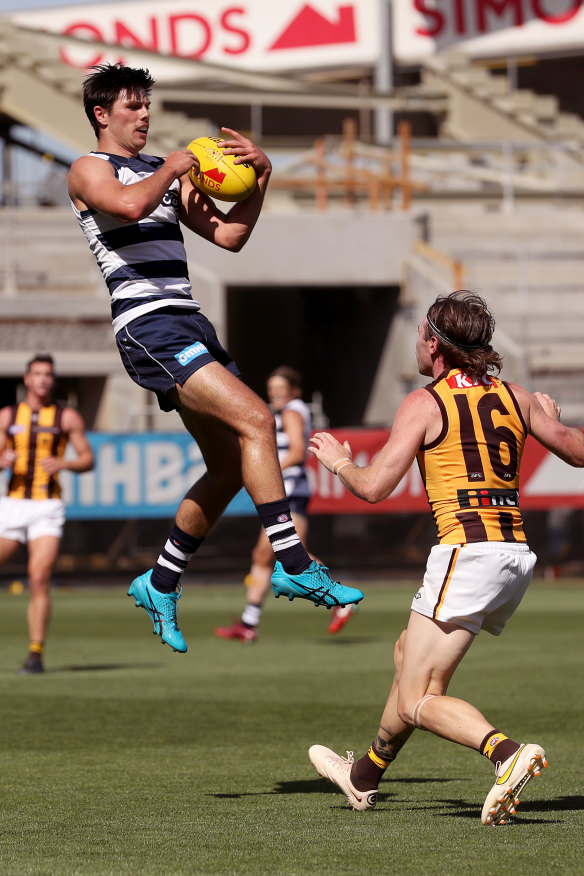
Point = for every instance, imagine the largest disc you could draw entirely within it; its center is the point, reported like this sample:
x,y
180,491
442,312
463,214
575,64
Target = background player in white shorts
x,y
467,430
33,438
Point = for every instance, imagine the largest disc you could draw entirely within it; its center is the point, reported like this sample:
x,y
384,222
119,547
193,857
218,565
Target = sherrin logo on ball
x,y
219,176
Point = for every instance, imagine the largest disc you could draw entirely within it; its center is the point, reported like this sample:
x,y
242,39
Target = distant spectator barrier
x,y
138,476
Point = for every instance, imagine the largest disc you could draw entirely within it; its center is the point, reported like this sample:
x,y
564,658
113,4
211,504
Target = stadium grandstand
x,y
414,152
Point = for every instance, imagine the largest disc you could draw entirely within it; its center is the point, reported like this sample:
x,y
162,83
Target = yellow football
x,y
219,176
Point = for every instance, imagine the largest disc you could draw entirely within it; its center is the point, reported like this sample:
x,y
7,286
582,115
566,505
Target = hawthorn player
x,y
467,429
33,437
130,206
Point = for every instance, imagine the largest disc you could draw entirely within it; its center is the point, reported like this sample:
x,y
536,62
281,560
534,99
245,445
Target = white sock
x,y
251,614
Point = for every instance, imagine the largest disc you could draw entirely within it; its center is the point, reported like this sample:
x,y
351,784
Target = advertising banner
x,y
485,28
138,476
260,35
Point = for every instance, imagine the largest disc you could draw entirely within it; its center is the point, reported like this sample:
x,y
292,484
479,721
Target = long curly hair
x,y
463,326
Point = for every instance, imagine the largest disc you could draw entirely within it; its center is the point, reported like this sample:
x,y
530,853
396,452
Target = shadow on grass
x,y
100,667
554,804
321,786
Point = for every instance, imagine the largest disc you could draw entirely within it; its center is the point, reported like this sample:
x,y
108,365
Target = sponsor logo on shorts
x,y
185,356
283,518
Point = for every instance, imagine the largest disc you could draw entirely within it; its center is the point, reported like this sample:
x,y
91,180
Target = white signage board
x,y
262,35
486,28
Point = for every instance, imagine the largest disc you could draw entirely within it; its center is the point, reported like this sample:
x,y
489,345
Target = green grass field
x,y
125,758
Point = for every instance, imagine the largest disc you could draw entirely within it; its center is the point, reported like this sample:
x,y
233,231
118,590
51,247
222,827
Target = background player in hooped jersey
x,y
33,438
293,427
467,429
130,206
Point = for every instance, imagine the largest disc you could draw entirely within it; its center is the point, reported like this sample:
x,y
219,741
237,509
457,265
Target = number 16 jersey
x,y
471,470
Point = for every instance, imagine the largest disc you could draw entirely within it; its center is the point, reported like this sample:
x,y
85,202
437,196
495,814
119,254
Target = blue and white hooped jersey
x,y
144,263
295,477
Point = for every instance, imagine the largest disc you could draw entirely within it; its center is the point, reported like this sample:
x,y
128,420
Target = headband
x,y
478,346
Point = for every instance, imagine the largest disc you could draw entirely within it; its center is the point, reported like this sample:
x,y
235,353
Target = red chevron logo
x,y
310,28
215,174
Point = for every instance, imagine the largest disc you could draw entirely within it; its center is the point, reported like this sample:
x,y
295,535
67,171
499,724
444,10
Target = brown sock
x,y
366,772
498,747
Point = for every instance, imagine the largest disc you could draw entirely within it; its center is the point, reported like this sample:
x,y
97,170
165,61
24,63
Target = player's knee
x,y
38,582
261,421
405,710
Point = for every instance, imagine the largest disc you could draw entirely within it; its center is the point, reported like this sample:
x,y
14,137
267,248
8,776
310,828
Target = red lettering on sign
x,y
226,24
561,17
459,16
87,31
435,18
123,36
498,8
202,25
469,18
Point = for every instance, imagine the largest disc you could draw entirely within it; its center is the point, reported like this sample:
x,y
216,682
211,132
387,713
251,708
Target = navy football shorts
x,y
163,348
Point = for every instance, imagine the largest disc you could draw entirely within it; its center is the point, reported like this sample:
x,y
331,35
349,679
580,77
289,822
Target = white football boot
x,y
512,776
338,770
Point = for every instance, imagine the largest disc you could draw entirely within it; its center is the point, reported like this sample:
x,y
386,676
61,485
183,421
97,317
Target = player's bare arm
x,y
7,456
542,418
414,424
93,184
229,230
74,427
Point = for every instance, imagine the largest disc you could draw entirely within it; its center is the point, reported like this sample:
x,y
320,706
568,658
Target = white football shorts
x,y
26,519
477,586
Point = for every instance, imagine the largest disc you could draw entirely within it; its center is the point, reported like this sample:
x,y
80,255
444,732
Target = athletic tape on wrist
x,y
344,459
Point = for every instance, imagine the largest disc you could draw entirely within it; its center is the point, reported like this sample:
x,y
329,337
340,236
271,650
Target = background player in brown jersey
x,y
467,430
33,438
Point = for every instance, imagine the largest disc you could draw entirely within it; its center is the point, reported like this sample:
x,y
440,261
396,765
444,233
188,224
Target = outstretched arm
x,y
229,230
542,417
7,455
376,481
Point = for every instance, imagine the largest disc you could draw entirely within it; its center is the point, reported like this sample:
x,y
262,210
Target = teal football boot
x,y
162,609
314,584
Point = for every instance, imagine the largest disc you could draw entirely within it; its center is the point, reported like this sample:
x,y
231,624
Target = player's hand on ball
x,y
245,151
329,451
181,161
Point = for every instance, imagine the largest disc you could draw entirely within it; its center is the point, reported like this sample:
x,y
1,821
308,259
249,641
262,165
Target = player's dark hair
x,y
105,84
41,357
463,326
289,374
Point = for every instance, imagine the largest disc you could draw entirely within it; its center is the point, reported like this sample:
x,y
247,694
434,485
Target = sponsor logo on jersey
x,y
283,518
463,381
185,356
16,428
488,498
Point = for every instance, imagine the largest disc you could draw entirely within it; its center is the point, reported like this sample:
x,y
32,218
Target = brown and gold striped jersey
x,y
471,470
35,435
